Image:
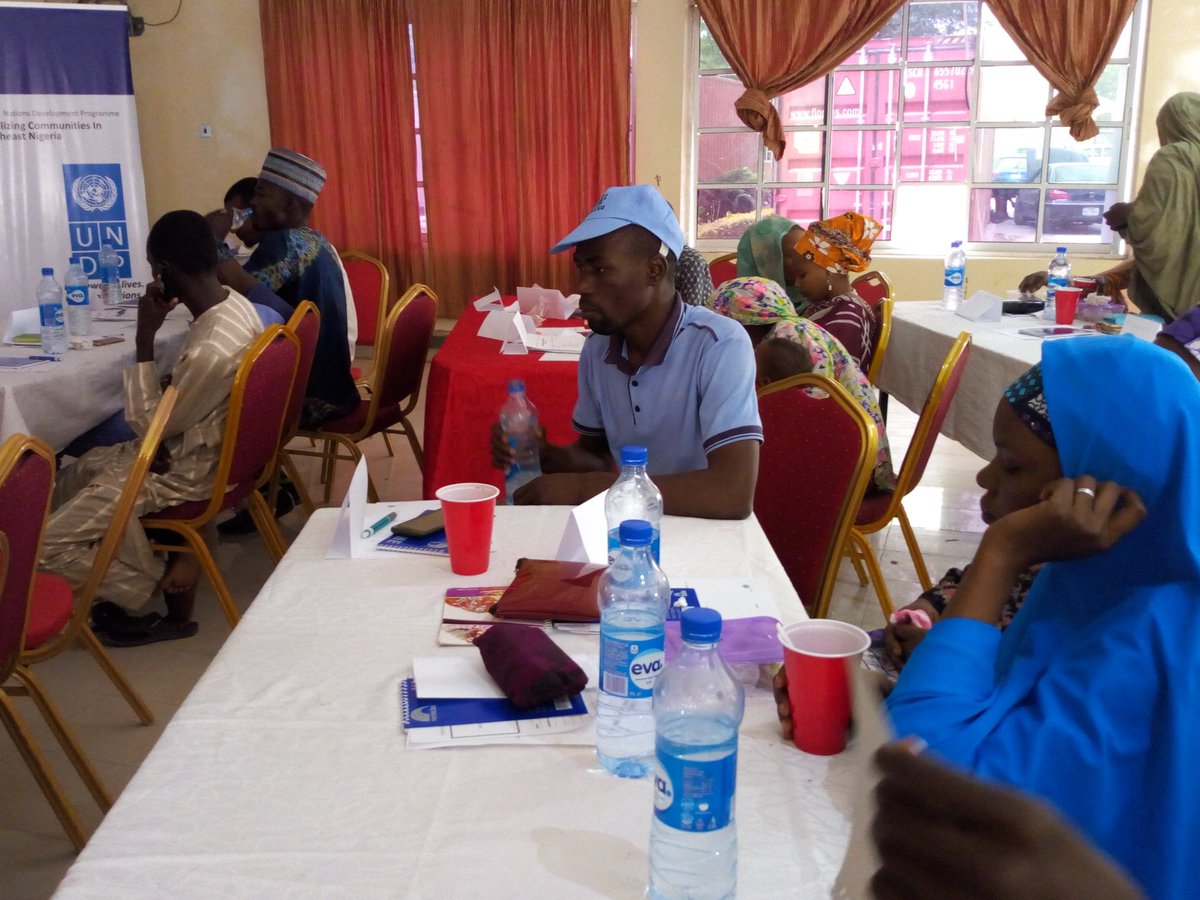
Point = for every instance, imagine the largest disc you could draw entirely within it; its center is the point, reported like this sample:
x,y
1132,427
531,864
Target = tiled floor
x,y
34,853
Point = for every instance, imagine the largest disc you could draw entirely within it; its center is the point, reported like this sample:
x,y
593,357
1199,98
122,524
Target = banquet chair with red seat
x,y
26,483
58,617
395,388
723,268
305,324
880,508
875,288
371,286
258,405
811,421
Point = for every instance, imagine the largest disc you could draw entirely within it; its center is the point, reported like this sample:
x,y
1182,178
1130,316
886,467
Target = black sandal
x,y
149,629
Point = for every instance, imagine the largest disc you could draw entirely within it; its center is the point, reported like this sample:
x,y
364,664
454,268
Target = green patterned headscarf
x,y
760,253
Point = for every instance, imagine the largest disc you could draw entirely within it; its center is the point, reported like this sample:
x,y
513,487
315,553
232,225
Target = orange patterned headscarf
x,y
841,244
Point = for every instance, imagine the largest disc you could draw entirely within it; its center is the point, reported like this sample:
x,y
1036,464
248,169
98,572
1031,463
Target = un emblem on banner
x,y
95,193
95,197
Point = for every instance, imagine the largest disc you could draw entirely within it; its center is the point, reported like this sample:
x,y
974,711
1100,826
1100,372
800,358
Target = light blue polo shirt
x,y
693,393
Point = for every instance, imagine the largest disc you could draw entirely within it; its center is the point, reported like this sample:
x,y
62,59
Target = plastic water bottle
x,y
519,422
633,496
50,311
698,706
110,276
954,283
1057,273
633,598
79,300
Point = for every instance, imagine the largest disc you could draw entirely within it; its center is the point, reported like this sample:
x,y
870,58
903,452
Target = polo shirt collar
x,y
658,350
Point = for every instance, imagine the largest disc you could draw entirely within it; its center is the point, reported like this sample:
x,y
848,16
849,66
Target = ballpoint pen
x,y
378,526
44,358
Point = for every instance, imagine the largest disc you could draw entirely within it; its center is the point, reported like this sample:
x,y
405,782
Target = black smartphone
x,y
422,526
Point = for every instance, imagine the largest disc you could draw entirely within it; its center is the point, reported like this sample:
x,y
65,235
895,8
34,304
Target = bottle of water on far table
x,y
954,280
1057,275
79,300
50,311
698,706
633,598
519,422
633,496
110,276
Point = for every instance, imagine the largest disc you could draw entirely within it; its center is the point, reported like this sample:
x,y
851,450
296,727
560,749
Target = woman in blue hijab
x,y
1091,697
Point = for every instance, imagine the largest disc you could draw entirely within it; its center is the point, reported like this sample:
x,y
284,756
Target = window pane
x,y
938,31
866,97
927,217
862,157
1069,214
934,154
802,158
938,94
874,203
1008,155
884,47
803,106
717,94
801,205
1100,157
1012,94
995,44
983,224
729,157
421,209
1111,91
722,214
1121,49
710,54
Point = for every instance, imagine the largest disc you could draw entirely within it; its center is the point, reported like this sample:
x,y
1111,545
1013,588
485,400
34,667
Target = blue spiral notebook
x,y
433,544
418,712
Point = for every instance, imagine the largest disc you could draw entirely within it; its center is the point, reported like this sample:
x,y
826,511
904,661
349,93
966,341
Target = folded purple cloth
x,y
529,667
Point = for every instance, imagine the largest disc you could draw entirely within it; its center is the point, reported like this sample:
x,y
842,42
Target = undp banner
x,y
70,162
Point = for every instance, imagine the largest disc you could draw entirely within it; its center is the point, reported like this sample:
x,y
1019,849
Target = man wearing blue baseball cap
x,y
674,378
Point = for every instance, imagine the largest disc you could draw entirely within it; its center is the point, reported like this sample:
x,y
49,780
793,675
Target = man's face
x,y
271,205
616,284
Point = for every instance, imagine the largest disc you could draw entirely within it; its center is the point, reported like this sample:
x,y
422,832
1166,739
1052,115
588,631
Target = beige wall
x,y
206,67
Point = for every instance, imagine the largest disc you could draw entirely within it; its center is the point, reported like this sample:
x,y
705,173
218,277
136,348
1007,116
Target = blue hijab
x,y
1091,697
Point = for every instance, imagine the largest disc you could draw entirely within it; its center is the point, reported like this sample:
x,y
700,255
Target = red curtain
x,y
775,46
524,122
1069,42
339,89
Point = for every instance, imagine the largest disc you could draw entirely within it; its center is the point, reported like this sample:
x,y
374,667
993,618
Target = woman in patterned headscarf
x,y
823,257
766,313
765,251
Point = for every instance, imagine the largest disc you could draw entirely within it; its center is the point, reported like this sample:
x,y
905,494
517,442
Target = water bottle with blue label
x,y
79,300
698,708
954,279
633,496
110,276
50,312
519,422
1057,275
633,595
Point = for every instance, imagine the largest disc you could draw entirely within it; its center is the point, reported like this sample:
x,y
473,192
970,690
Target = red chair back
x,y
816,459
408,330
259,403
305,324
933,414
26,482
872,287
723,268
370,282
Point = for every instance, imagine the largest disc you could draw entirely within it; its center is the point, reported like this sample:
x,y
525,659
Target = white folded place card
x,y
490,302
585,539
1141,326
982,307
546,302
22,321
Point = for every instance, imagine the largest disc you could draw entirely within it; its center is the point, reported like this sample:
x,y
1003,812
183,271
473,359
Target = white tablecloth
x,y
922,334
285,772
58,401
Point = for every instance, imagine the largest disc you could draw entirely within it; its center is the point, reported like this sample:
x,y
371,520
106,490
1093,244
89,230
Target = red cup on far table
x,y
469,510
818,673
1086,284
1066,302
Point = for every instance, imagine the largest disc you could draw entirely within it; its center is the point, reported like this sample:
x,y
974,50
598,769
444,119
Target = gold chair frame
x,y
886,308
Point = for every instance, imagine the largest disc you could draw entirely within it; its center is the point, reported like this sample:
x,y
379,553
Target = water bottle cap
x,y
956,243
46,270
634,455
700,625
516,386
1062,249
106,246
636,533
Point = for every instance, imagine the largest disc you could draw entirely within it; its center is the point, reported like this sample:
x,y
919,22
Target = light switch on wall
x,y
205,131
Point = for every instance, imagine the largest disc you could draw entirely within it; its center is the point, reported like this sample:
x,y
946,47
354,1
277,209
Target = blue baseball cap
x,y
639,204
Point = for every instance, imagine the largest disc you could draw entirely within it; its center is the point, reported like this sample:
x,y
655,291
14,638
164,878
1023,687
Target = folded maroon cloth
x,y
529,667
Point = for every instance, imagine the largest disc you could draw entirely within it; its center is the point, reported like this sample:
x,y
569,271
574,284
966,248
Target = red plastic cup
x,y
819,681
1086,284
469,510
1066,303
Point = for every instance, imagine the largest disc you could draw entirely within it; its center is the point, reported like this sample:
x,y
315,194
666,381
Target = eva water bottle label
x,y
50,314
954,278
690,795
630,668
77,296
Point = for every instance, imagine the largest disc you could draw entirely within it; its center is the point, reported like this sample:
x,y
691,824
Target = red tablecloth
x,y
468,380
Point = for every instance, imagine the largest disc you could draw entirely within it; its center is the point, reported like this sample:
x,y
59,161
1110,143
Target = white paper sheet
x,y
556,340
491,301
1140,326
22,321
495,324
546,302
